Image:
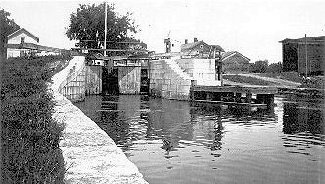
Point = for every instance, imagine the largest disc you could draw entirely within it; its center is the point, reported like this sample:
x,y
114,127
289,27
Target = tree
x,y
89,22
259,66
275,68
7,26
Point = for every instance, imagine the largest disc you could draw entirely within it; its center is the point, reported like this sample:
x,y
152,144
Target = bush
x,y
258,66
30,136
274,68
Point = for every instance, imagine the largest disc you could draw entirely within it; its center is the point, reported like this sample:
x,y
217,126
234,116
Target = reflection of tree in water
x,y
113,121
218,131
170,121
205,113
301,119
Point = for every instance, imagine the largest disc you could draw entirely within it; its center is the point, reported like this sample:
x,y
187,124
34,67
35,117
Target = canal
x,y
179,142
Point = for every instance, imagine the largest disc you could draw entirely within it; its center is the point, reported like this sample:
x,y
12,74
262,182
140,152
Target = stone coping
x,y
90,155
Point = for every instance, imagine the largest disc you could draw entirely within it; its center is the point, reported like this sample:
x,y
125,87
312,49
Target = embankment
x,y
91,156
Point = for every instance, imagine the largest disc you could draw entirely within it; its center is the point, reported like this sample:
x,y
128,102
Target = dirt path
x,y
277,82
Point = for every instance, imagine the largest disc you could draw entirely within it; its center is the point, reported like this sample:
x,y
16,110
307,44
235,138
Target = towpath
x,y
276,82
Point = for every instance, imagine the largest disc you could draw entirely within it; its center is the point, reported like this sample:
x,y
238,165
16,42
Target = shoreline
x,y
90,155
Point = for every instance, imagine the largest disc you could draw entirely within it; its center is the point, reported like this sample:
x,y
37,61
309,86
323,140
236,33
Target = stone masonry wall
x,y
73,85
202,70
81,80
167,83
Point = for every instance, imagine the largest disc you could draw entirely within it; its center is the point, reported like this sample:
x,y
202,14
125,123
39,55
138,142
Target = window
x,y
22,40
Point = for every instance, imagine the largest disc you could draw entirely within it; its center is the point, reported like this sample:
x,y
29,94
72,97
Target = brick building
x,y
303,55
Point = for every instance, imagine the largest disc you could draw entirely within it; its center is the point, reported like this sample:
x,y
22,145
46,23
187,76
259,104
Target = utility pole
x,y
306,56
105,28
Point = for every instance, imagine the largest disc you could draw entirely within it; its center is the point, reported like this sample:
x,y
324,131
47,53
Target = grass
x,y
30,137
290,76
247,80
317,82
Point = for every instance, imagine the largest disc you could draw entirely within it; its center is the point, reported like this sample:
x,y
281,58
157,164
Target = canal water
x,y
179,142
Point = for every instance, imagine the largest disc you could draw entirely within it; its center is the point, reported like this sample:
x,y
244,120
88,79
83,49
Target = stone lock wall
x,y
81,80
202,70
168,82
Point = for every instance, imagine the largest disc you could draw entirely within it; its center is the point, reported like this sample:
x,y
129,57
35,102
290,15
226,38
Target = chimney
x,y
167,45
195,40
186,41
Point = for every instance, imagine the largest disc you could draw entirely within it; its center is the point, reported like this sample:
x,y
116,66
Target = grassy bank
x,y
30,136
247,80
290,76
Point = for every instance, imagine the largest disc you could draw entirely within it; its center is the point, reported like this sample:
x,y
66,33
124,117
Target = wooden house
x,y
23,43
19,38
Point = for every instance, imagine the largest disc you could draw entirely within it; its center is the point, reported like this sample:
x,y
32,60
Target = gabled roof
x,y
23,30
217,47
189,46
229,54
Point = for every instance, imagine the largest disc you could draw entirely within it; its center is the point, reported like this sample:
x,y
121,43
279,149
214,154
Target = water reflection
x,y
180,142
303,122
303,118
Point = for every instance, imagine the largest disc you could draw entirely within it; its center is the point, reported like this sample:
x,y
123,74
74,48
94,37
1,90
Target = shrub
x,y
30,136
259,66
274,68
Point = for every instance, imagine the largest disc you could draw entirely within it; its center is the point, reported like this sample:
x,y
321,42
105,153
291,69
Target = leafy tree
x,y
275,68
7,26
88,23
259,66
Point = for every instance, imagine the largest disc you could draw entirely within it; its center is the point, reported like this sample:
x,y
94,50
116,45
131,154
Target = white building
x,y
17,42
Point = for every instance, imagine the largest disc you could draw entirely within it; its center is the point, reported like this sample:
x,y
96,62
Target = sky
x,y
251,27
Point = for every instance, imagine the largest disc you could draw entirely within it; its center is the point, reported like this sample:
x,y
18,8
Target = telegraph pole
x,y
105,28
306,56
